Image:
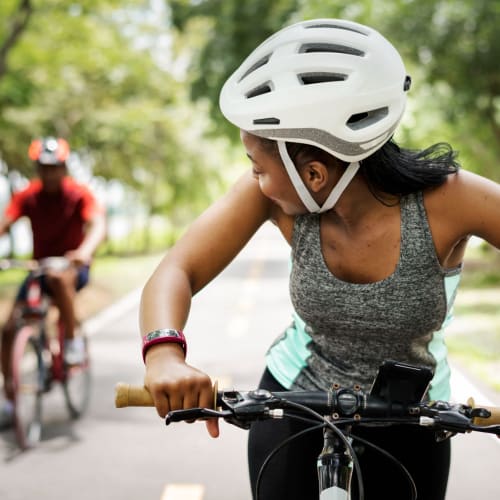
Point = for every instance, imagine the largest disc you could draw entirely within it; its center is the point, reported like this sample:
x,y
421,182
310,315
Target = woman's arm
x,y
466,205
481,211
209,245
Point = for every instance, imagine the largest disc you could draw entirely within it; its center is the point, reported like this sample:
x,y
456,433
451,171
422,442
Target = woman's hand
x,y
175,385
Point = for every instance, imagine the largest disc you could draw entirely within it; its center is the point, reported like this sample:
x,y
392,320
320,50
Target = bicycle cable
x,y
392,458
340,435
279,447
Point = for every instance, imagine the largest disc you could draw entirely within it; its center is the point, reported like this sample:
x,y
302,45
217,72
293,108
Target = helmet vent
x,y
330,47
260,90
321,77
361,120
266,121
336,26
256,66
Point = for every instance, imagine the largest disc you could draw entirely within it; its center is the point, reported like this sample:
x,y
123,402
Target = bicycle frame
x,y
335,467
35,313
36,349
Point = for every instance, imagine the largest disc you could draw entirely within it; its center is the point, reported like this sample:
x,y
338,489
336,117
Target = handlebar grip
x,y
130,395
134,395
494,419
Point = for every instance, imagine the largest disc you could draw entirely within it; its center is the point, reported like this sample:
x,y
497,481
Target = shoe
x,y
6,415
74,351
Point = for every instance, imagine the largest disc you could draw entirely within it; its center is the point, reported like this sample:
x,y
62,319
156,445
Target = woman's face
x,y
269,171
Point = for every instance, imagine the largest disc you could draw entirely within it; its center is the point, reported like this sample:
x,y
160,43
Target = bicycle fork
x,y
334,468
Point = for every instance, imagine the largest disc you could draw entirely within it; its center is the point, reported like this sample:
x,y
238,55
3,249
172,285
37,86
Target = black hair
x,y
399,171
391,169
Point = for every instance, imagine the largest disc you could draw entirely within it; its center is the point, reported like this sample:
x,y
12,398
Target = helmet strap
x,y
303,192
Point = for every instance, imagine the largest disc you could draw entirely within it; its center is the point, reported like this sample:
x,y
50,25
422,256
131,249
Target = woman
x,y
377,234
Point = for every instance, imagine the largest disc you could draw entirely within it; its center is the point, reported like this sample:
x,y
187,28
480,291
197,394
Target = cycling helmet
x,y
49,151
334,84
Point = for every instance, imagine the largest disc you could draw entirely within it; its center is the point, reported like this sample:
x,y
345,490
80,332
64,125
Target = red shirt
x,y
57,219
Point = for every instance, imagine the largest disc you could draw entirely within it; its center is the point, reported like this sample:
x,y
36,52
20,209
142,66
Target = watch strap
x,y
161,336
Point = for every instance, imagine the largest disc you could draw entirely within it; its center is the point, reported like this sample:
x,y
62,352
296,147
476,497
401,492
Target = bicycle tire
x,y
77,385
28,382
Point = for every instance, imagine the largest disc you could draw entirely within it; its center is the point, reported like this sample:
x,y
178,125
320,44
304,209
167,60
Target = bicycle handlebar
x,y
41,265
242,407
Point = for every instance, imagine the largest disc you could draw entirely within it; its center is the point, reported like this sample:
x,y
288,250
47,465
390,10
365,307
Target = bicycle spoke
x,y
77,386
27,371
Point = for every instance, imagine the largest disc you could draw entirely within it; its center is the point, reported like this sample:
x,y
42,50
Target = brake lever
x,y
453,421
195,414
490,429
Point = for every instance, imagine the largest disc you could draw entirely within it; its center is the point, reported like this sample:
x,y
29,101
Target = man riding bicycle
x,y
66,221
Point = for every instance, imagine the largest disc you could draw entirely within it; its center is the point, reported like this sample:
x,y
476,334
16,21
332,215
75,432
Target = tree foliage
x,y
110,75
232,30
456,46
102,74
451,49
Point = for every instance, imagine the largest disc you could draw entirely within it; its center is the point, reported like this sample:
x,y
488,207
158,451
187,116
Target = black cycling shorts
x,y
81,280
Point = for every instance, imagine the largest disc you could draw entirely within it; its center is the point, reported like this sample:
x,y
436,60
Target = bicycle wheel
x,y
27,378
77,385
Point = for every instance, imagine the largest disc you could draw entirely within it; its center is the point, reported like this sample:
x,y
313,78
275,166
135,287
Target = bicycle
x,y
338,410
37,356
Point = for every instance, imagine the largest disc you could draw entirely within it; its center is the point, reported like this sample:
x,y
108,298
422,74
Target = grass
x,y
112,278
482,267
473,338
122,274
9,282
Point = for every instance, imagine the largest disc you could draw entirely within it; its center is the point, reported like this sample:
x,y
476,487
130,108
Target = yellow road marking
x,y
183,492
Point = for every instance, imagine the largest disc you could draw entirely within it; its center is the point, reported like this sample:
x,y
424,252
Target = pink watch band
x,y
164,335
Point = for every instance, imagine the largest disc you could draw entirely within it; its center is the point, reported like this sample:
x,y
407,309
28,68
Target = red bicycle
x,y
37,356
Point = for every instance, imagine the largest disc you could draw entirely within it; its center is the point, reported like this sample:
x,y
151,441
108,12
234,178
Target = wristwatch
x,y
163,335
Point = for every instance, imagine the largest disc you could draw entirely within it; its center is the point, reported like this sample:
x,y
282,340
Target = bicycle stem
x,y
334,465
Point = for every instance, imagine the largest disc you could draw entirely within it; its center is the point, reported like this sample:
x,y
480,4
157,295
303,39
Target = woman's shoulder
x,y
467,204
463,188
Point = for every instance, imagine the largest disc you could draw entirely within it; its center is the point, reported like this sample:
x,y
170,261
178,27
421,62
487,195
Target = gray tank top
x,y
348,328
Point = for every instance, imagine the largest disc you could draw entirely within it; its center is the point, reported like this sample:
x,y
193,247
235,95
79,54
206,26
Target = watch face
x,y
163,333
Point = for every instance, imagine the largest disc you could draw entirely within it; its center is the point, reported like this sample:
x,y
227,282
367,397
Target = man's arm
x,y
5,224
95,232
13,211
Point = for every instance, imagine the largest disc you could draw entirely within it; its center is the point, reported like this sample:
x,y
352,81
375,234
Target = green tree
x,y
102,74
13,29
450,48
231,30
456,46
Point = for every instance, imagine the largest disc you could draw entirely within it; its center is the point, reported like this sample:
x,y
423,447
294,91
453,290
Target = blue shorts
x,y
81,280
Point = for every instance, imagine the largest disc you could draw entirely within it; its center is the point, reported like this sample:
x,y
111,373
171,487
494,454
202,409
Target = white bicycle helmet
x,y
334,84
